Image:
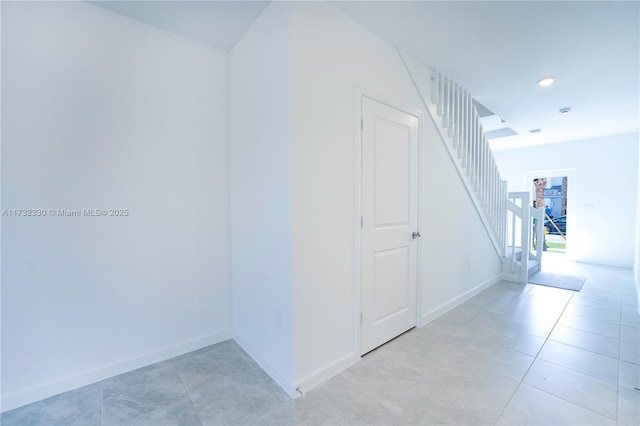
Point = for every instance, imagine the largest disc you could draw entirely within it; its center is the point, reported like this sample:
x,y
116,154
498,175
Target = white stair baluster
x,y
479,135
487,178
456,136
440,89
485,157
463,134
445,102
472,157
471,136
434,86
452,109
493,192
462,124
481,162
470,131
465,126
467,129
497,199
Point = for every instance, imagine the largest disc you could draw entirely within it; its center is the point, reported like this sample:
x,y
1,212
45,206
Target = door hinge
x,y
361,222
360,318
361,124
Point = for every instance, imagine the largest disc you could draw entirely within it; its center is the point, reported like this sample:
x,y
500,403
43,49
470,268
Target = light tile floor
x,y
511,355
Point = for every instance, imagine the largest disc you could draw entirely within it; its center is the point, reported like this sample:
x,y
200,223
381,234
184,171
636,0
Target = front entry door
x,y
389,223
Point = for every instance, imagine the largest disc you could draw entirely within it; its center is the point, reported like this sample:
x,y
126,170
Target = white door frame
x,y
529,176
358,206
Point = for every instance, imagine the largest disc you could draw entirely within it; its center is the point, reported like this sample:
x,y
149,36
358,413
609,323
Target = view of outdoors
x,y
551,193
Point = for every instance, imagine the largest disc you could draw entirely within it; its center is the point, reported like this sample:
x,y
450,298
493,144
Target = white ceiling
x,y
496,49
219,24
500,49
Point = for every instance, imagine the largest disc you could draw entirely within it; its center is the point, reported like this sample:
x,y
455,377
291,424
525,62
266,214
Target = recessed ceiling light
x,y
564,110
535,130
547,81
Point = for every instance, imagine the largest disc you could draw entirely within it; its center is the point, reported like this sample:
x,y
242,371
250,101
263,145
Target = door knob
x,y
416,234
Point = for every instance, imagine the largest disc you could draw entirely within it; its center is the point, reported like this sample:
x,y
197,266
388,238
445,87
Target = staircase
x,y
525,238
507,217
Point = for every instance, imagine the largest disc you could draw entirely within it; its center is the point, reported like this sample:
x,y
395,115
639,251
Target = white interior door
x,y
389,220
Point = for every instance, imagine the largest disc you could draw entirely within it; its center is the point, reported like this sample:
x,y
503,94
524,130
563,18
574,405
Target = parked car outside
x,y
560,222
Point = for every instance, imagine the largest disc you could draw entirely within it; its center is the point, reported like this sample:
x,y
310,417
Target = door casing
x,y
359,95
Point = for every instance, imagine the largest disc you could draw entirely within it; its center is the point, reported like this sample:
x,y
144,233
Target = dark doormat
x,y
567,282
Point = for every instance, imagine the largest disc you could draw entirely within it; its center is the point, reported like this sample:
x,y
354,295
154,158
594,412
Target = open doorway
x,y
556,190
551,194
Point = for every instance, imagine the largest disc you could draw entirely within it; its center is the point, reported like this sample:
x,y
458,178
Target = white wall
x,y
604,185
100,111
107,112
459,259
636,263
261,214
334,58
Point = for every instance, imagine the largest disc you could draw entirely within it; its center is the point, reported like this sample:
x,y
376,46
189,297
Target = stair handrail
x,y
520,211
461,119
452,109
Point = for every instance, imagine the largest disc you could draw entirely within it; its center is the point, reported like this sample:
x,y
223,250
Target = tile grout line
x,y
586,350
580,372
535,358
619,363
184,385
593,332
574,403
101,401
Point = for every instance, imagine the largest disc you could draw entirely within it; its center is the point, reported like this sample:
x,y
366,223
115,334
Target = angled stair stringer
x,y
504,216
523,257
467,147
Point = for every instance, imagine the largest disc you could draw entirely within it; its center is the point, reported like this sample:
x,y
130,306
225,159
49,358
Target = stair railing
x,y
461,120
452,109
524,223
518,245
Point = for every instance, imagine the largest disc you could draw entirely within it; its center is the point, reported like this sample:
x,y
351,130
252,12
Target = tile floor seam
x,y
578,405
575,403
584,349
524,392
595,333
510,419
245,362
619,324
591,332
619,364
582,372
520,298
186,390
101,401
535,358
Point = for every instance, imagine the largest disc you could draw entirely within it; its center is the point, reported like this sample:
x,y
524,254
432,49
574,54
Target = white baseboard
x,y
599,262
458,300
24,397
276,374
322,374
510,277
